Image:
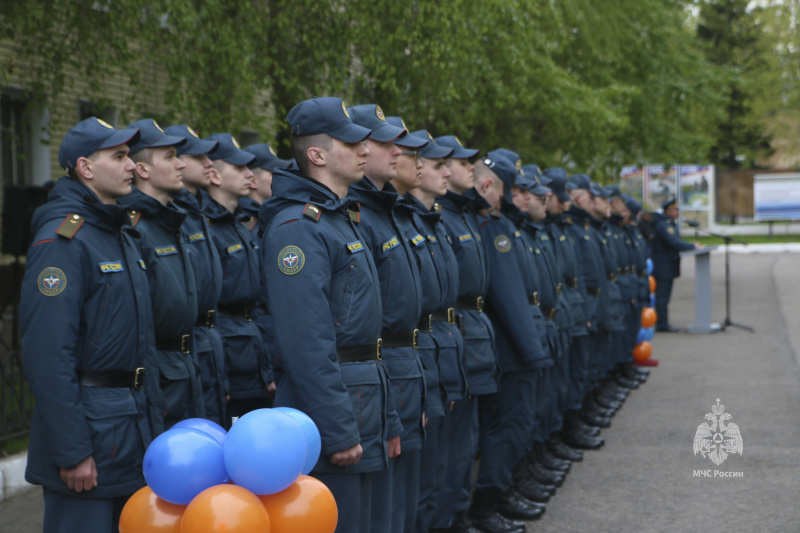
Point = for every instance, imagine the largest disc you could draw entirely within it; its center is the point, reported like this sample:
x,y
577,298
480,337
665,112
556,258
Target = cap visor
x,y
238,158
539,189
563,196
410,141
544,180
200,147
169,140
434,151
464,153
386,133
126,136
351,133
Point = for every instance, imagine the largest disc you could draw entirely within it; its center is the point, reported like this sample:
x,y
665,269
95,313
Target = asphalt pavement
x,y
645,479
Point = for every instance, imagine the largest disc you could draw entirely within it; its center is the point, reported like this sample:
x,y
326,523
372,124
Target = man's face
x,y
235,180
382,160
409,167
601,208
262,183
521,197
461,178
165,169
197,172
617,205
434,175
672,212
554,205
536,207
112,173
494,192
347,161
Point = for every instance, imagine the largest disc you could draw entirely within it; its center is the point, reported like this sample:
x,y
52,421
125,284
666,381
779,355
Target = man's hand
x,y
697,246
393,446
82,477
271,389
349,456
424,420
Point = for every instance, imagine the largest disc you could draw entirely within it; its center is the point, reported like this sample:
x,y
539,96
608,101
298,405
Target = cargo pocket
x,y
405,380
176,390
478,345
433,396
366,396
113,429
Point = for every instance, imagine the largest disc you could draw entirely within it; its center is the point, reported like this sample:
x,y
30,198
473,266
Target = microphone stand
x,y
727,322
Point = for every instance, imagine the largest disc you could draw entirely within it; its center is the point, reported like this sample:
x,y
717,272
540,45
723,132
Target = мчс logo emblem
x,y
716,439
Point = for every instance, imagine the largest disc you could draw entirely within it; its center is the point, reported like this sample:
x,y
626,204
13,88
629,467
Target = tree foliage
x,y
569,82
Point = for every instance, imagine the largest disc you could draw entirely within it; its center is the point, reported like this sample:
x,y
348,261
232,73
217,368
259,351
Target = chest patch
x,y
503,244
355,247
197,237
417,240
166,250
465,238
234,248
388,245
111,266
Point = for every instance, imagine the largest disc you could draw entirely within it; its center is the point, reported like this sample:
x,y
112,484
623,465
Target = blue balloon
x,y
641,336
652,300
649,266
311,432
182,463
265,451
206,426
649,333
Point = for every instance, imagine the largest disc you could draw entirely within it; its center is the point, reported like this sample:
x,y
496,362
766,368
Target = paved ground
x,y
643,479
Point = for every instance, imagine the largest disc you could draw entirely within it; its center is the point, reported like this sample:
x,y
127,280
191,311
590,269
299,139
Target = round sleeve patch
x,y
52,281
291,260
503,244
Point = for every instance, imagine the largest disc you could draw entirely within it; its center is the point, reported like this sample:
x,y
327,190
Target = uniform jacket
x,y
589,259
173,390
463,234
573,296
667,246
610,300
208,281
85,305
246,362
323,286
389,232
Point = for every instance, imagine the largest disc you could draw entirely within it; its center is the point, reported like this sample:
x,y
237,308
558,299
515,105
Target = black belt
x,y
360,353
559,288
612,277
425,323
391,339
445,315
181,344
533,299
244,311
549,313
207,319
593,292
476,304
572,282
133,379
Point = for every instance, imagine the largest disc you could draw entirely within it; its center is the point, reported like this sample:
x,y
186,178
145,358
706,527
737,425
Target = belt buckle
x,y
379,349
415,339
536,298
138,378
451,316
247,312
210,316
575,283
479,304
553,314
429,322
559,288
186,344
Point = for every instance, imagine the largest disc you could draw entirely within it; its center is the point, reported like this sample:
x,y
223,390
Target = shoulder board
x,y
134,216
517,235
437,207
70,226
313,212
568,220
562,238
355,216
254,222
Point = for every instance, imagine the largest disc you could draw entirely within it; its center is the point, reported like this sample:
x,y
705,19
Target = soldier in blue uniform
x,y
207,341
86,330
390,235
174,392
507,418
317,265
568,250
667,246
246,364
461,205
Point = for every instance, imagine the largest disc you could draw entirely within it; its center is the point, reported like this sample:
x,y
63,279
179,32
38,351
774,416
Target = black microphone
x,y
692,223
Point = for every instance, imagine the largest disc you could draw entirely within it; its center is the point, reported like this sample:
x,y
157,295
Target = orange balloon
x,y
228,508
652,284
144,512
306,506
642,351
649,317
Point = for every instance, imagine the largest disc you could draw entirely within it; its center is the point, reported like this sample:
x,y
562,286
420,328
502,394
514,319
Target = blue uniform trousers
x,y
507,421
211,369
598,353
578,371
560,376
663,294
432,469
66,514
395,493
352,493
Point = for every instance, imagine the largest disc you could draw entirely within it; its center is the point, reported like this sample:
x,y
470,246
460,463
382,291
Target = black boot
x,y
594,419
514,506
543,475
623,380
562,451
535,491
460,525
550,461
484,517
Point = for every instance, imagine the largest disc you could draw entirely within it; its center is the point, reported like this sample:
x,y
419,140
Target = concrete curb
x,y
12,476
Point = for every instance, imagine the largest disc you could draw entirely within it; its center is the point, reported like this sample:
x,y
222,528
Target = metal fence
x,y
17,400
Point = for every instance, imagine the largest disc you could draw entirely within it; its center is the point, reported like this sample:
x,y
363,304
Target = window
x,y
88,109
15,138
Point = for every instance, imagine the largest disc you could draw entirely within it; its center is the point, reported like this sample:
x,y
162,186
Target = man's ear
x,y
213,177
316,156
83,167
142,171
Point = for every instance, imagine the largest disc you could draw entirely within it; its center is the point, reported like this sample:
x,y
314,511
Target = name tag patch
x,y
234,248
388,245
111,266
355,247
465,238
432,238
166,250
417,240
197,237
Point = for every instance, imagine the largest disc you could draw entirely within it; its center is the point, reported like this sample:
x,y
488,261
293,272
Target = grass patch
x,y
12,446
688,235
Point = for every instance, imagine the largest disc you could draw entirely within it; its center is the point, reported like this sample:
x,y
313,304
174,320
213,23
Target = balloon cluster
x,y
251,479
643,348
